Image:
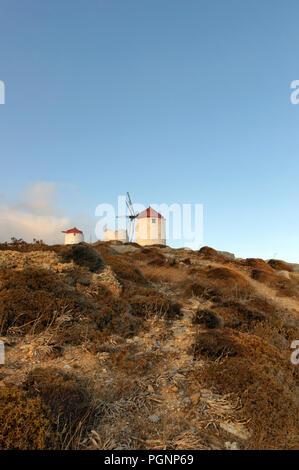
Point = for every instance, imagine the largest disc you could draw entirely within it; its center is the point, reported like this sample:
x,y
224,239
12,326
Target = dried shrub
x,y
67,398
256,263
279,265
146,302
133,244
216,344
199,288
25,422
153,257
207,252
244,314
163,274
216,284
117,318
208,318
261,376
158,260
124,269
226,277
284,287
133,363
266,277
103,249
23,247
84,256
33,300
30,299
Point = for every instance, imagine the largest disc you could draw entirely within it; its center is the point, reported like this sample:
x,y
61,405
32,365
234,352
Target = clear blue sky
x,y
184,101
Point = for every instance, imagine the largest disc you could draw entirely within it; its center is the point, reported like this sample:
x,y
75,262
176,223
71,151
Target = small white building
x,y
120,235
73,236
150,228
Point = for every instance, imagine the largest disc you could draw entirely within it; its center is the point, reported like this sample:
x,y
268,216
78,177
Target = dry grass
x,y
124,270
162,274
191,343
68,399
264,379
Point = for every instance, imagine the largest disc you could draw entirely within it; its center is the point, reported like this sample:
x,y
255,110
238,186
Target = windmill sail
x,y
131,218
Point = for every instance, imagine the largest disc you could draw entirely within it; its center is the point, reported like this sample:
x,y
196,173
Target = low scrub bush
x,y
263,379
84,256
125,270
147,302
25,422
30,299
66,397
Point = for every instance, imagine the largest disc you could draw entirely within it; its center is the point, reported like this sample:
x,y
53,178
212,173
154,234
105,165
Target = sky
x,y
175,101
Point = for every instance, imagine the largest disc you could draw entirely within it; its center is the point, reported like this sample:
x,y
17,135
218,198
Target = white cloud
x,y
35,216
40,198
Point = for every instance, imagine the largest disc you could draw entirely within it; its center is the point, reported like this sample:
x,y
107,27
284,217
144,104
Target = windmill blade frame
x,y
131,217
130,205
131,229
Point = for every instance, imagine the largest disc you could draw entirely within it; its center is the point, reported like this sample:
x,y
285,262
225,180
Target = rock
x,y
123,249
279,341
284,274
226,254
295,267
154,418
108,279
237,430
214,442
231,445
195,398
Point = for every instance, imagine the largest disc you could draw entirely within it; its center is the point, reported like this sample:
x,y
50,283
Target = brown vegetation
x,y
260,376
25,422
279,265
67,398
150,349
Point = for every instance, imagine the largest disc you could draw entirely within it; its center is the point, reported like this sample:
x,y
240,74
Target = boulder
x,y
226,254
123,249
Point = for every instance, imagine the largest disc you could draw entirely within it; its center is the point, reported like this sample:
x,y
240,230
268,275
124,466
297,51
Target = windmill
x,y
131,217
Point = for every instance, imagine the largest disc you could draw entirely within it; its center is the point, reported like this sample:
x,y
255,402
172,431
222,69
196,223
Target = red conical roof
x,y
72,230
149,212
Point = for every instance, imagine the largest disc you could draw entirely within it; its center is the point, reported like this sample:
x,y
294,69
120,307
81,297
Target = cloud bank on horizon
x,y
35,215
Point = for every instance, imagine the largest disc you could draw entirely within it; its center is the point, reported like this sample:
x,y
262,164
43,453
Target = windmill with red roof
x,y
73,236
150,225
150,228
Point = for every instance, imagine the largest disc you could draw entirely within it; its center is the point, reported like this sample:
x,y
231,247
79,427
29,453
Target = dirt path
x,y
156,405
180,415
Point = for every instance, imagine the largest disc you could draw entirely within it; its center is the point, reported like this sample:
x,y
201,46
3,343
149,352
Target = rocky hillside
x,y
117,346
